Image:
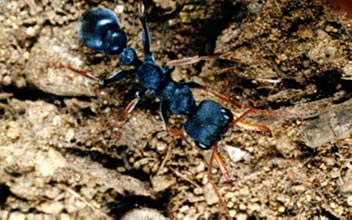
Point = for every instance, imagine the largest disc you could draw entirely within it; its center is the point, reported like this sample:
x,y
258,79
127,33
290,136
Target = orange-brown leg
x,y
215,155
122,117
196,85
173,132
69,67
237,122
253,127
196,59
114,77
220,161
228,99
222,165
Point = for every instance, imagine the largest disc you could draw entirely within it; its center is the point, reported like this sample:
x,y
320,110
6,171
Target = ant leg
x,y
165,118
243,115
69,67
117,75
172,132
223,168
196,59
146,37
164,114
253,127
122,117
222,165
237,121
196,85
215,155
129,108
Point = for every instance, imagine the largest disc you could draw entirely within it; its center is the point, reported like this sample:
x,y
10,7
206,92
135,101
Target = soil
x,y
59,156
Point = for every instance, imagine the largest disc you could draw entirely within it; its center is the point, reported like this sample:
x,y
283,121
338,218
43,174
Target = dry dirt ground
x,y
59,158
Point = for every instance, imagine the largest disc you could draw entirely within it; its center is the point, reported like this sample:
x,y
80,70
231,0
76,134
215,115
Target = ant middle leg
x,y
127,110
221,163
248,126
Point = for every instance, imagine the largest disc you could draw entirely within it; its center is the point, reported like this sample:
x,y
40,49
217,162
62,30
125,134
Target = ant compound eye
x,y
202,146
226,117
227,114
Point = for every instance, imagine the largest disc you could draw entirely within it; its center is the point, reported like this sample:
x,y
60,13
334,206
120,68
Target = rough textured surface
x,y
58,153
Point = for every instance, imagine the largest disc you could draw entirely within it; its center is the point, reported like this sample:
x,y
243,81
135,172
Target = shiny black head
x,y
100,30
208,124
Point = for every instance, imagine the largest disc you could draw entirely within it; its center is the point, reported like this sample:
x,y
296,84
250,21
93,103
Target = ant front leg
x,y
116,76
119,74
248,126
237,121
61,65
253,127
221,163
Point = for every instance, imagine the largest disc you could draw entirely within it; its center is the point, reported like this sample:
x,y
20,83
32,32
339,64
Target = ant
x,y
206,123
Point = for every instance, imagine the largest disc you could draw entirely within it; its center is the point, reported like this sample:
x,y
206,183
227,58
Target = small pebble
x,y
349,200
282,209
6,80
235,153
209,194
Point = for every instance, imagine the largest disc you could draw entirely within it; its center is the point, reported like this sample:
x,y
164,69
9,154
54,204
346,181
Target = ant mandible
x,y
206,123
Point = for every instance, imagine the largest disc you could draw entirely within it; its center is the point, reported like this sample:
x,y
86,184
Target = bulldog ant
x,y
206,123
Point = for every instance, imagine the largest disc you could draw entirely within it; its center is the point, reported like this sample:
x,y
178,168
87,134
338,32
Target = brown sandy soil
x,y
58,154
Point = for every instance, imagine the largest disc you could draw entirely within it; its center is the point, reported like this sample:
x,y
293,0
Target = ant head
x,y
100,30
208,124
